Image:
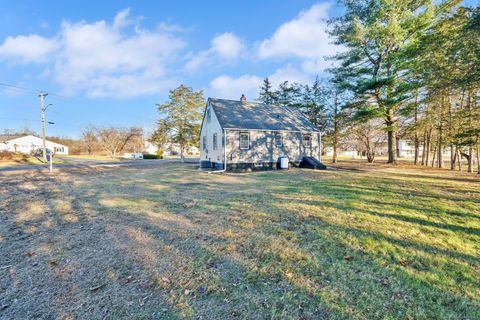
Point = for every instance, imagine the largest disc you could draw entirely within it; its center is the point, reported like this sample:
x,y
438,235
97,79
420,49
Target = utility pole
x,y
42,96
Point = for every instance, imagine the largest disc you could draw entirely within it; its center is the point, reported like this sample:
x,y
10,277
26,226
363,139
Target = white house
x,y
29,144
406,149
238,135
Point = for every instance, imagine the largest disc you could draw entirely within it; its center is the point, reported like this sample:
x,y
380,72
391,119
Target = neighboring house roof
x,y
235,114
9,138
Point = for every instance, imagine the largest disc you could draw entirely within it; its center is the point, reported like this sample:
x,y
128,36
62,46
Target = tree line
x,y
96,140
111,140
408,69
108,140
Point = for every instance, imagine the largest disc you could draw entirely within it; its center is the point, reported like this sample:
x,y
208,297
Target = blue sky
x,y
112,61
109,62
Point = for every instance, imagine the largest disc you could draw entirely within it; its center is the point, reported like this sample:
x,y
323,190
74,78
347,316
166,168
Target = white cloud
x,y
102,59
225,48
122,19
228,87
28,49
232,88
99,59
304,37
227,45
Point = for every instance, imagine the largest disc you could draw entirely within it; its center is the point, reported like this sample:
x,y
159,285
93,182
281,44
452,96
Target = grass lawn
x,y
27,161
167,241
92,157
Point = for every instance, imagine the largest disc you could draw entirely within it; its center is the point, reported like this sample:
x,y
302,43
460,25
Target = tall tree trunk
x,y
391,147
182,149
334,160
470,159
335,129
416,139
391,138
478,159
459,159
440,134
470,149
440,156
424,147
427,156
417,147
452,157
450,133
433,156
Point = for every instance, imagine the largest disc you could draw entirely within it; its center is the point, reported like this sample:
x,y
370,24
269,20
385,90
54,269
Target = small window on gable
x,y
278,140
204,143
244,140
209,115
214,141
307,140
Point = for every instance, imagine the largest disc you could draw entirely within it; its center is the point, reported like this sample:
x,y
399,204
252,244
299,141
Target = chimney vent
x,y
243,99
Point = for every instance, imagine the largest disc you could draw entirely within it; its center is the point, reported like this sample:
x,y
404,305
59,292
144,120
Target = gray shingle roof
x,y
259,116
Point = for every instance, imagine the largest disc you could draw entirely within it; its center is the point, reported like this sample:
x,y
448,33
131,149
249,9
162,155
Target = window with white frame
x,y
204,143
244,140
215,141
307,140
278,140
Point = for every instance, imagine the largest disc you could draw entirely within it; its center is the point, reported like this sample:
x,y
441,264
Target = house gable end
x,y
204,119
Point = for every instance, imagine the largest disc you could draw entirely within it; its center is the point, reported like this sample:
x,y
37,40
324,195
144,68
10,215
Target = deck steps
x,y
312,163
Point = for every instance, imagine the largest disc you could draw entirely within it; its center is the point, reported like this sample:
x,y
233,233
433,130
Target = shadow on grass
x,y
174,243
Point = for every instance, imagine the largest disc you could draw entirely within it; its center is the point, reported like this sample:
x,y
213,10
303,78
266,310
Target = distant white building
x,y
349,152
150,147
174,149
407,149
29,144
170,149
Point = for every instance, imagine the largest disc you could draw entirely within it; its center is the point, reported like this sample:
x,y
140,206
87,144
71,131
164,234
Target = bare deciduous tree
x,y
114,140
370,137
89,139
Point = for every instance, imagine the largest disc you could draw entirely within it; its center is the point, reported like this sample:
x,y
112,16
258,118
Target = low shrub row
x,y
149,156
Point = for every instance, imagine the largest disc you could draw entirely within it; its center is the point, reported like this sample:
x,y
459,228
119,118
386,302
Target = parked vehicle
x,y
39,152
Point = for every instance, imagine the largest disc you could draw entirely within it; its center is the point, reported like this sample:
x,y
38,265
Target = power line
x,y
17,87
35,91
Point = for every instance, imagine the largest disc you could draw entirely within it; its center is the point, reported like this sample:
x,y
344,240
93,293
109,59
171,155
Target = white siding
x,y
209,128
29,144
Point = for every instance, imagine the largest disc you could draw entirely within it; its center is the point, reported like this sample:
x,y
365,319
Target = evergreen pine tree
x,y
266,96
